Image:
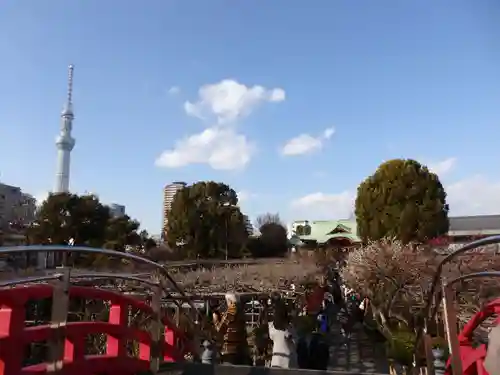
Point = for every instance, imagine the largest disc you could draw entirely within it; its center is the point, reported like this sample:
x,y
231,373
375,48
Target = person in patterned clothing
x,y
233,329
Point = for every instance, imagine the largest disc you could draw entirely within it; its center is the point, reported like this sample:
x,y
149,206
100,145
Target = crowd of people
x,y
291,346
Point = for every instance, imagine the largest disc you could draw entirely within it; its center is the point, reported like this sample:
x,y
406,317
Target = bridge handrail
x,y
437,277
15,334
65,275
111,253
94,275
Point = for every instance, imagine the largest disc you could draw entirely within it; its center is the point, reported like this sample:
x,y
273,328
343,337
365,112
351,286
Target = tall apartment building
x,y
249,225
169,192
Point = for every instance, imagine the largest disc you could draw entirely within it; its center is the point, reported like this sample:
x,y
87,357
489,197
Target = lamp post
x,y
226,225
225,221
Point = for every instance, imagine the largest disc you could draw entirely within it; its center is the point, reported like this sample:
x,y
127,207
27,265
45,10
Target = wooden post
x,y
450,319
60,306
429,357
177,316
252,311
154,352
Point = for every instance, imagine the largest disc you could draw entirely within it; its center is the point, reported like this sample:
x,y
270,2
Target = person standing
x,y
363,308
346,320
319,352
209,354
232,326
315,298
282,334
323,321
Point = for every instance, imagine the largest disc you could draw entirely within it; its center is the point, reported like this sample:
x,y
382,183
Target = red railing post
x,y
12,326
169,354
74,348
117,346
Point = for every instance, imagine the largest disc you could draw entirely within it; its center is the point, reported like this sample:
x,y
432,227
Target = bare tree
x,y
268,218
393,275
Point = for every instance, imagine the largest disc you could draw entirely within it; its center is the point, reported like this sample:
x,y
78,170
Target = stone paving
x,y
358,354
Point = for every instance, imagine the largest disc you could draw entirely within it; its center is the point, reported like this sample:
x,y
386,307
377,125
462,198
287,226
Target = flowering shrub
x,y
393,275
396,277
265,277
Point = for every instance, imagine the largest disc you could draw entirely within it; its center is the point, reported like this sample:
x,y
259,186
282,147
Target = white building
x,y
291,228
16,208
116,210
249,225
169,192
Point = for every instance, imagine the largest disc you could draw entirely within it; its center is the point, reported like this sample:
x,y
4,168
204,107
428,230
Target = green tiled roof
x,y
321,231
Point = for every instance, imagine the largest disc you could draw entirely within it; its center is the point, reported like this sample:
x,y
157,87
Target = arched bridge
x,y
67,341
154,348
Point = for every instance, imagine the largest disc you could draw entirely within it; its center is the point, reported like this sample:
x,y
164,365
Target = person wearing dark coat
x,y
346,317
313,352
319,352
303,353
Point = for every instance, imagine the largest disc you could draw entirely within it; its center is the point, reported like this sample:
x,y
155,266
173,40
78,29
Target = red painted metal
x,y
14,335
473,358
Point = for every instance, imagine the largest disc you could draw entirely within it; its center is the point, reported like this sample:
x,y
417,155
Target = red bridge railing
x,y
465,359
473,356
163,341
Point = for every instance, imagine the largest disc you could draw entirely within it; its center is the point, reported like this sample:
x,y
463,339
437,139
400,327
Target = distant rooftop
x,y
480,224
323,230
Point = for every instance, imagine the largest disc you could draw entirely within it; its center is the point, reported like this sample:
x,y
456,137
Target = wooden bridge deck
x,y
200,369
360,354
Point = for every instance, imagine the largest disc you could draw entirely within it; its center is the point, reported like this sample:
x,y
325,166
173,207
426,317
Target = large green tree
x,y
84,221
121,231
401,200
146,241
65,216
204,221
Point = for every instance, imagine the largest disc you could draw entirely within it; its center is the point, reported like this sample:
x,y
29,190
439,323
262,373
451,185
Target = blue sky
x,y
417,79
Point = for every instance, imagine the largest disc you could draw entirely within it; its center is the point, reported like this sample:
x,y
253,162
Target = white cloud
x,y
245,196
442,167
325,206
327,133
221,148
474,195
174,90
306,143
229,100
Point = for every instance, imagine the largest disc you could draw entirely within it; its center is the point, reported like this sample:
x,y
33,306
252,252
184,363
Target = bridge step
x,y
360,354
200,369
